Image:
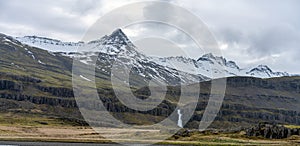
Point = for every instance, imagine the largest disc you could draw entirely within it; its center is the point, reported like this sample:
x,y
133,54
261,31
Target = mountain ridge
x,y
207,65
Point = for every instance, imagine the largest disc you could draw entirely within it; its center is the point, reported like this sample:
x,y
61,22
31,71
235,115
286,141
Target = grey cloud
x,y
251,28
274,40
255,29
44,16
84,7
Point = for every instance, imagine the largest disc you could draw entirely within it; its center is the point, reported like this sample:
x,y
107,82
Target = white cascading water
x,y
179,123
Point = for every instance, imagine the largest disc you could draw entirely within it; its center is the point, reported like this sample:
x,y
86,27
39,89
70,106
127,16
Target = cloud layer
x,y
250,32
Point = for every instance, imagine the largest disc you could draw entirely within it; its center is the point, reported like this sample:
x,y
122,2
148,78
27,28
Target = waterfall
x,y
179,123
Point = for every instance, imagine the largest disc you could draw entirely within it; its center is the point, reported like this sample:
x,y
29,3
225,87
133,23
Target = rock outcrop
x,y
41,100
10,85
57,91
272,131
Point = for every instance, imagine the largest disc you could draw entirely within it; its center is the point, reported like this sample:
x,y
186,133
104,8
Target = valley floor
x,y
24,129
77,134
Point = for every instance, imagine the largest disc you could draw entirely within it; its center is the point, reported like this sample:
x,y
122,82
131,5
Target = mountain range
x,y
36,79
206,66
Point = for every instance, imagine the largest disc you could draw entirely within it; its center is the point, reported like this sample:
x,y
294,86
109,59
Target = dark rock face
x,y
239,106
12,88
238,114
273,83
61,92
10,85
22,78
271,131
40,100
113,105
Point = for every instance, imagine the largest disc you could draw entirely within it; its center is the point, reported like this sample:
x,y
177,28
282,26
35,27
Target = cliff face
x,y
291,84
247,100
10,85
22,88
239,115
40,100
56,91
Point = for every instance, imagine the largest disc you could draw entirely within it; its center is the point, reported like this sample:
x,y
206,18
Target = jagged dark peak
x,y
218,59
210,56
118,32
206,57
117,37
262,68
180,58
267,70
232,64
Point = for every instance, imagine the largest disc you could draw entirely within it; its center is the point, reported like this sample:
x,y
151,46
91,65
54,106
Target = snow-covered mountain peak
x,y
208,56
119,46
265,72
112,43
117,37
217,59
263,67
232,64
118,43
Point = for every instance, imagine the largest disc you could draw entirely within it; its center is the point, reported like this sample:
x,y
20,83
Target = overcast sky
x,y
250,32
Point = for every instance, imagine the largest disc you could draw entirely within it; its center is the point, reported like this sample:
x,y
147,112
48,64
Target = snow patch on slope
x,y
85,78
49,44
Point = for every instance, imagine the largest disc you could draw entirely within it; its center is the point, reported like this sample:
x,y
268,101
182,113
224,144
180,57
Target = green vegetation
x,y
29,119
292,126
